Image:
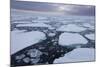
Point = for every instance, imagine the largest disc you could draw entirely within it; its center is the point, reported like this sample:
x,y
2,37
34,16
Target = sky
x,y
87,10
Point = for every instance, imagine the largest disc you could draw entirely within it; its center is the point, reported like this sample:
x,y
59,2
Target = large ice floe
x,y
90,36
67,39
22,39
77,55
71,28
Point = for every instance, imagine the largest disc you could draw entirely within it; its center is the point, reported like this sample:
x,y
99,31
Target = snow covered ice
x,y
90,36
67,39
51,34
77,55
33,25
89,26
22,22
21,39
71,28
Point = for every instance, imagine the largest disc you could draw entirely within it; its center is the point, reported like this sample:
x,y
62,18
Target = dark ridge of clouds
x,y
85,10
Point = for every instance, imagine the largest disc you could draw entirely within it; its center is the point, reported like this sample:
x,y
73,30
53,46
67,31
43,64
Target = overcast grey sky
x,y
88,10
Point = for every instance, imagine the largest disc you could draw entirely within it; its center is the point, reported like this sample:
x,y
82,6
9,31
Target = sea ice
x,y
71,28
33,25
51,34
34,53
67,39
22,22
77,55
26,60
90,36
25,39
88,25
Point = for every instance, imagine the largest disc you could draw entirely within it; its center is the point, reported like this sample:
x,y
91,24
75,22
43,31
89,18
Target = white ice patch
x,y
22,22
90,36
71,28
33,25
79,20
18,31
42,18
67,39
20,40
51,28
88,25
39,21
77,55
51,34
34,53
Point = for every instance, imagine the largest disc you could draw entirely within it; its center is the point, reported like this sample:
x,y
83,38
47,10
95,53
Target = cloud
x,y
88,10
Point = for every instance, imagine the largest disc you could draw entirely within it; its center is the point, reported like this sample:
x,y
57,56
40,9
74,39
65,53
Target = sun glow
x,y
61,8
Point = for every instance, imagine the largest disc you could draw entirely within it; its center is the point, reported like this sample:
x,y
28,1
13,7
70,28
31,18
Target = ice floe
x,y
90,36
20,57
22,22
41,17
25,39
18,31
26,60
39,21
51,34
33,25
34,61
77,55
34,53
67,39
88,25
71,28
